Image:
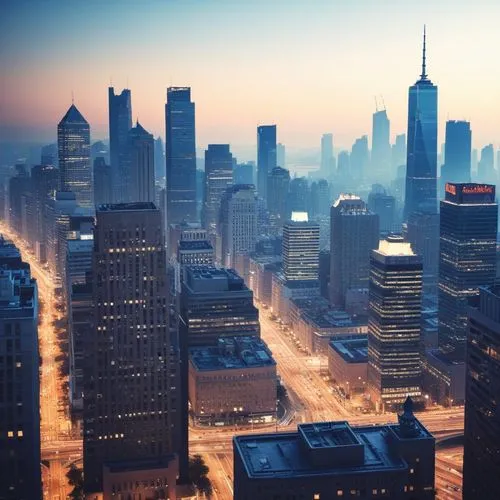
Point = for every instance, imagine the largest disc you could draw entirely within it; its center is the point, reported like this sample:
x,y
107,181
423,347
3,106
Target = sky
x,y
310,66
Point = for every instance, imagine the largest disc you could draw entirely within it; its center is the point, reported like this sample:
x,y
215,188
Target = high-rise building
x,y
486,166
300,248
266,157
327,166
381,146
457,166
319,199
421,159
244,173
344,164
354,233
131,365
180,155
139,166
120,122
48,155
280,155
279,185
394,323
482,427
73,140
467,257
102,182
19,187
20,477
159,159
218,177
334,460
399,152
360,158
384,205
238,223
298,195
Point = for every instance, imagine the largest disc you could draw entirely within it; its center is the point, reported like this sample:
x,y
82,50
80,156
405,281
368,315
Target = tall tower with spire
x,y
421,159
73,143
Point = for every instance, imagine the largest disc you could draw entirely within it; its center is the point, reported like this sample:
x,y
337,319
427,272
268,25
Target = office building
x,y
130,412
467,257
159,160
218,177
238,223
327,166
343,165
243,173
20,477
354,233
266,157
360,158
298,195
280,155
421,157
486,169
180,155
215,303
398,153
103,192
73,142
482,427
457,165
120,122
139,166
300,249
394,323
19,187
320,201
384,205
48,155
381,146
233,382
279,185
327,460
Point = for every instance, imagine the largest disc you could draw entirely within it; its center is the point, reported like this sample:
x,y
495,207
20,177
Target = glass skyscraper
x,y
457,153
180,155
120,122
421,155
73,142
381,146
394,323
266,157
467,256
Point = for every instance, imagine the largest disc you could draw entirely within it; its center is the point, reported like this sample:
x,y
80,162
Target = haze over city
x,y
306,66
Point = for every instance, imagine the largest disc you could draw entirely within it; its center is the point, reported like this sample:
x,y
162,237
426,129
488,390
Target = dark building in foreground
x,y
180,148
468,234
334,460
19,379
482,419
131,360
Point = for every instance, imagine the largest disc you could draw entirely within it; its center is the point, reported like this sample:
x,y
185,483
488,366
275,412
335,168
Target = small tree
x,y
198,472
75,479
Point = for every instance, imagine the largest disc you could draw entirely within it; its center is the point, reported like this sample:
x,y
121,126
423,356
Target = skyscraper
x,y
159,159
360,157
457,166
280,155
266,157
327,166
73,141
394,323
300,249
354,234
19,379
467,257
486,166
343,164
238,223
384,205
180,155
399,152
218,177
298,195
381,146
139,166
102,182
279,185
131,374
482,426
421,159
120,122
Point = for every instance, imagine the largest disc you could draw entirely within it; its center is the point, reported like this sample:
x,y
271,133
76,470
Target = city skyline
x,y
232,100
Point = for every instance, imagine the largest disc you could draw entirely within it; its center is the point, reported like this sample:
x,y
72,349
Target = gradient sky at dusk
x,y
310,66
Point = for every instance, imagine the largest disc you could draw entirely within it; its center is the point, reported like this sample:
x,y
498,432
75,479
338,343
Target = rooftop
x,y
124,207
232,353
395,246
209,279
352,350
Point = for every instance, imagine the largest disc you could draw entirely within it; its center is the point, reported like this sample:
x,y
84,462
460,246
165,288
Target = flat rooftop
x,y
209,279
354,350
232,353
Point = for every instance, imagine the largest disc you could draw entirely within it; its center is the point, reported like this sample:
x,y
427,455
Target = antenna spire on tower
x,y
423,76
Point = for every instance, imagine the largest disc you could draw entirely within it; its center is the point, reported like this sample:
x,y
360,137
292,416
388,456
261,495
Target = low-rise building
x,y
232,382
348,363
334,460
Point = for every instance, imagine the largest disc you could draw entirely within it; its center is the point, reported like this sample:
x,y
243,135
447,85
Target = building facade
x,y
266,157
457,153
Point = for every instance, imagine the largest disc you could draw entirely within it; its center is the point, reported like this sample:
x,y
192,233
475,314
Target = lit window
x,y
10,434
340,493
412,471
18,364
316,496
374,492
19,434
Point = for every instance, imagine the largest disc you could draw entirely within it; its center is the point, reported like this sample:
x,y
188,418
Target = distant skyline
x,y
310,67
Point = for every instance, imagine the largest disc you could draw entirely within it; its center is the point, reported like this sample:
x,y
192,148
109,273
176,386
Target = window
x,y
316,496
10,434
340,493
